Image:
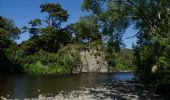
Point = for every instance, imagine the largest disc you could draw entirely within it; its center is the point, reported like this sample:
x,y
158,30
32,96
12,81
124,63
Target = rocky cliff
x,y
83,58
93,61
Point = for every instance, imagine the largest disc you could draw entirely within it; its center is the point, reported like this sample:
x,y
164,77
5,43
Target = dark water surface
x,y
27,86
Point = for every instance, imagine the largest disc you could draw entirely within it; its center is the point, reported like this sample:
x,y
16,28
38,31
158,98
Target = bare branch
x,y
134,35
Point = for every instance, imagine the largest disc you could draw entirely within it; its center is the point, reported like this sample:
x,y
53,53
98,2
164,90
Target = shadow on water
x,y
27,86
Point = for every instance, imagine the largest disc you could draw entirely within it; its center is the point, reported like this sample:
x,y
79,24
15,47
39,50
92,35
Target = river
x,y
29,86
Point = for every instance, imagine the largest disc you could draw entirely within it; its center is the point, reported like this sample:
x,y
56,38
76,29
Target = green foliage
x,y
124,60
45,57
35,22
66,60
111,18
39,68
153,43
69,56
49,51
47,34
111,59
120,61
8,32
151,18
56,14
88,30
8,29
43,63
92,5
38,54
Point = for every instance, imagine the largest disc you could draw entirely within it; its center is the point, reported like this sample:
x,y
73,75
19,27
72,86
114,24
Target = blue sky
x,y
22,11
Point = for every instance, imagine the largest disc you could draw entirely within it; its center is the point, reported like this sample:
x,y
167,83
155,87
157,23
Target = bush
x,y
155,54
69,56
43,62
65,61
38,68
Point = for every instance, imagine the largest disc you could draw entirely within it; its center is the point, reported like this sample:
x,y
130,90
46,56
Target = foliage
x,y
121,61
47,34
56,14
43,63
87,30
8,29
65,61
124,60
111,20
153,43
69,56
8,32
52,49
151,18
38,68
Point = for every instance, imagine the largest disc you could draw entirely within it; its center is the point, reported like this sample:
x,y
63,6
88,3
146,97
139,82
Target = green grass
x,y
38,68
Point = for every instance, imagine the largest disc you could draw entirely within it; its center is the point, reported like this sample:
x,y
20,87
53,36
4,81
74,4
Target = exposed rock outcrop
x,y
93,61
84,58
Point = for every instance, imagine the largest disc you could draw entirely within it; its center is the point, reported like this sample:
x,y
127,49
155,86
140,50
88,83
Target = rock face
x,y
93,61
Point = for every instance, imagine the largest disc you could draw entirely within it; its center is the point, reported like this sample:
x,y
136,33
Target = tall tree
x,y
111,19
8,33
56,14
152,19
47,34
87,29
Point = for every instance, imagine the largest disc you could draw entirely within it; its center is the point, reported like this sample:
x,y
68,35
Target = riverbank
x,y
115,90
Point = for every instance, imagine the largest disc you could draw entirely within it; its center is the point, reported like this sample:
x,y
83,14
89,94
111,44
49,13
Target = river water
x,y
28,86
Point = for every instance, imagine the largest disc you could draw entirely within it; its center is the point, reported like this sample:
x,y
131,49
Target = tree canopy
x,y
56,14
152,19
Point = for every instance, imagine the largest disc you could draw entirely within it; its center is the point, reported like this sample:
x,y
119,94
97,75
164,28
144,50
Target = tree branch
x,y
134,35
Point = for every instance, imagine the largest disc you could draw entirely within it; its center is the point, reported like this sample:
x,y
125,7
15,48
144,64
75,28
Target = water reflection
x,y
21,86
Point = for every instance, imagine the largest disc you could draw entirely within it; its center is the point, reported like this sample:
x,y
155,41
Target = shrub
x,y
69,57
66,60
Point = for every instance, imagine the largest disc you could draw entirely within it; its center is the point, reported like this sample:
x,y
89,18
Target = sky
x,y
22,11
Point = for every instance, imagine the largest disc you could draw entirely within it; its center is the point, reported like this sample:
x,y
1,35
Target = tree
x,y
87,30
152,19
56,15
47,34
35,27
112,21
8,33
